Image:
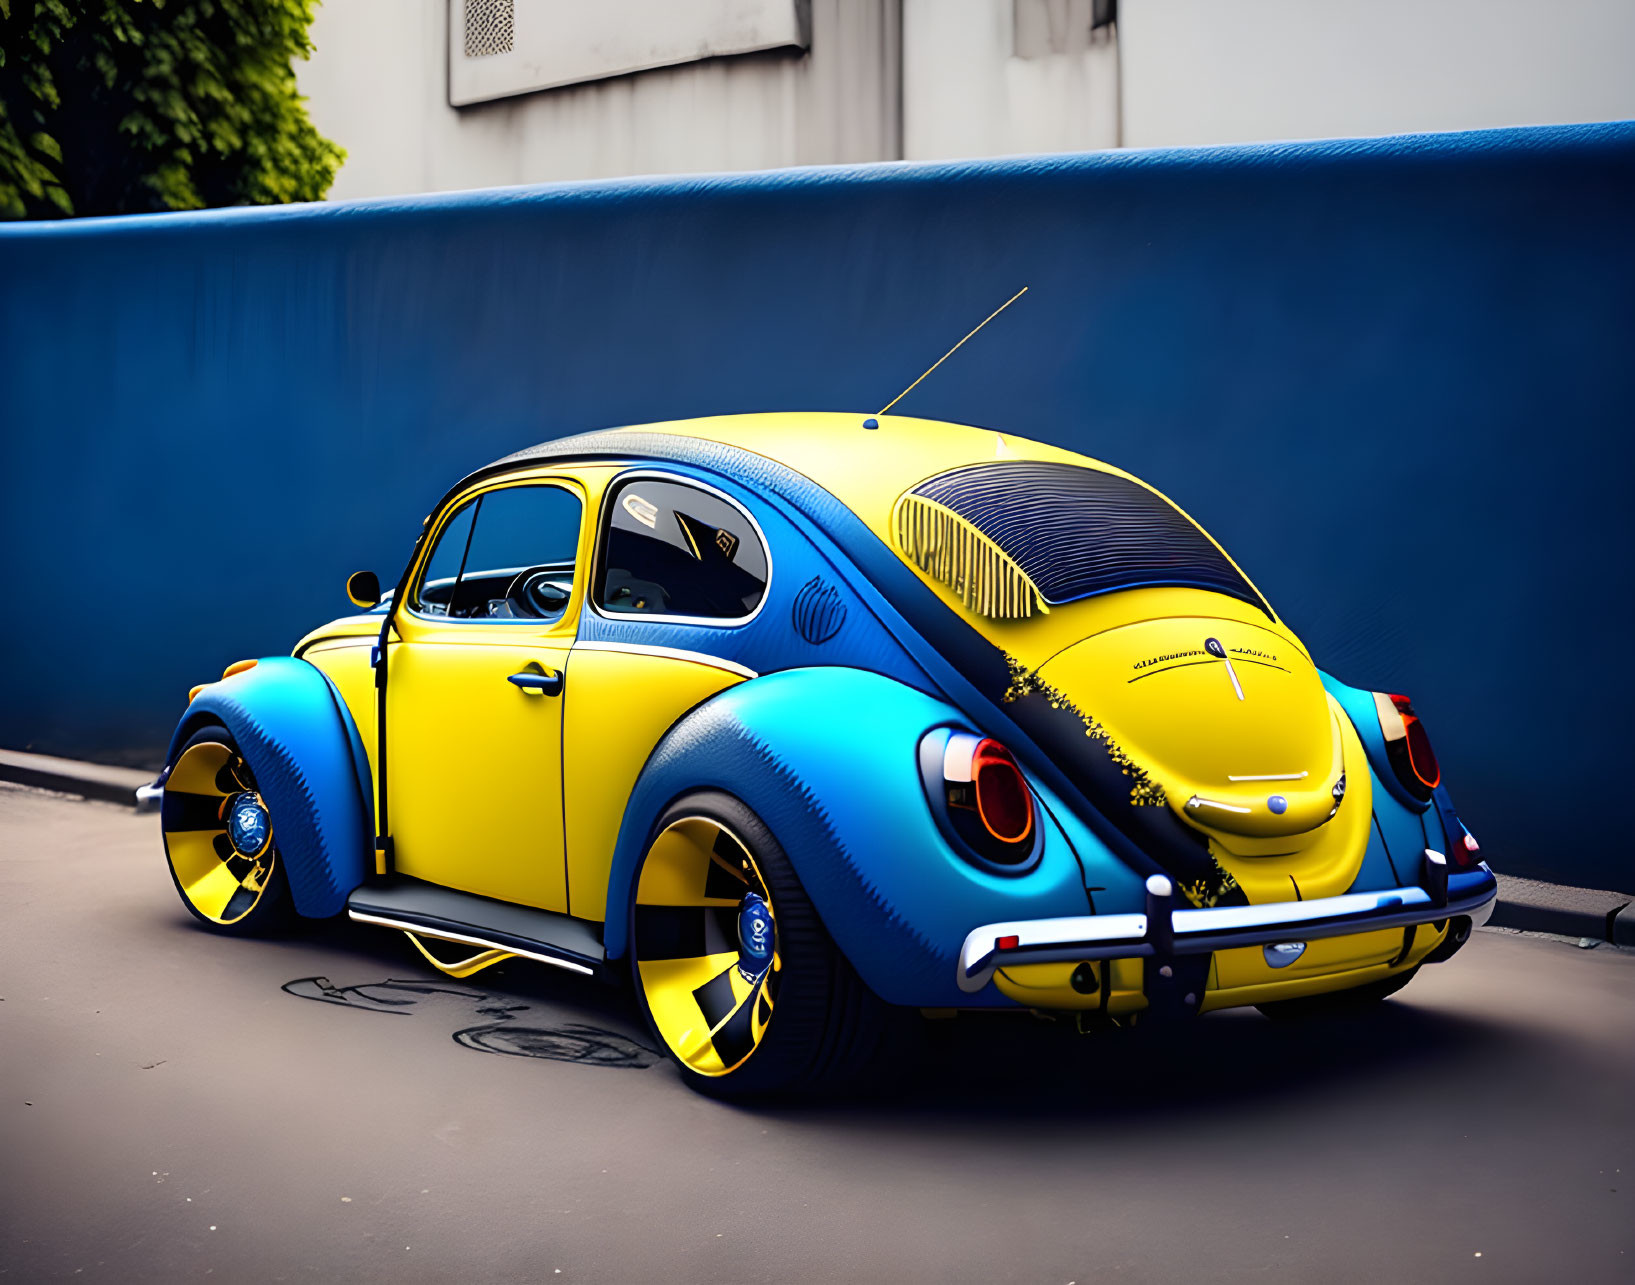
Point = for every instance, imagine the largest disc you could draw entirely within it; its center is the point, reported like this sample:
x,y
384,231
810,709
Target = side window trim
x,y
476,512
433,545
475,501
593,588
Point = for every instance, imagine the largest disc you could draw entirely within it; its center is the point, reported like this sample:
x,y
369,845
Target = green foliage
x,y
132,106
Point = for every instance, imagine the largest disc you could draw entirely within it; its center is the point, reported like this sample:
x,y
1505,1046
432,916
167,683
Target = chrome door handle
x,y
547,684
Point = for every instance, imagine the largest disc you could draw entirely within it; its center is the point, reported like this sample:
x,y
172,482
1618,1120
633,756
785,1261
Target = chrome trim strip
x,y
672,653
442,934
1226,918
1273,776
485,488
1198,801
1280,954
1214,928
978,951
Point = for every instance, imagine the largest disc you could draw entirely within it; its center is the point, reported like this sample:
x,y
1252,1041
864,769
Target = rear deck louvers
x,y
950,549
1016,537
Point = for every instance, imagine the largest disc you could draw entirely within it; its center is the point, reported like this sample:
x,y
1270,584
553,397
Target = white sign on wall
x,y
498,48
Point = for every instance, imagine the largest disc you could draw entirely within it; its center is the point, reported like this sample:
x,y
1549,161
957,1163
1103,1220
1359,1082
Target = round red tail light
x,y
982,796
1002,798
1408,745
1421,757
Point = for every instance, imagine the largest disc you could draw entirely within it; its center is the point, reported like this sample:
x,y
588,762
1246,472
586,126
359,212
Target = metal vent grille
x,y
490,26
1075,532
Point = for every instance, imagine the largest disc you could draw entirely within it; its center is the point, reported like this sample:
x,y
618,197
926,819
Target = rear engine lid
x,y
1228,717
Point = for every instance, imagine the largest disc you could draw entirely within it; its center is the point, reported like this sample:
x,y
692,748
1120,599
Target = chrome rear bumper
x,y
1164,931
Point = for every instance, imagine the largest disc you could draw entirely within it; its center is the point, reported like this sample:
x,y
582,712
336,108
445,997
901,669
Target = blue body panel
x,y
1379,869
856,633
827,758
1359,707
309,765
1403,826
1406,838
1111,886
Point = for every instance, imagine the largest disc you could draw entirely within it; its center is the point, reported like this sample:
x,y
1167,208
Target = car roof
x,y
866,469
855,482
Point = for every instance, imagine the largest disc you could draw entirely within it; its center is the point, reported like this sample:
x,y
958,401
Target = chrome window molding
x,y
408,607
671,653
676,479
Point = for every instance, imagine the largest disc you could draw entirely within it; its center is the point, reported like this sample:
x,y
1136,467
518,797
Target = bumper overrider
x,y
1163,931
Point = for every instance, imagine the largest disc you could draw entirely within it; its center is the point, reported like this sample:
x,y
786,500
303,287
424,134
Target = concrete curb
x,y
1534,906
93,780
1526,904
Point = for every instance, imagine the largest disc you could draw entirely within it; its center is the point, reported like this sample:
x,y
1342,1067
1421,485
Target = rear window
x,y
1077,532
672,549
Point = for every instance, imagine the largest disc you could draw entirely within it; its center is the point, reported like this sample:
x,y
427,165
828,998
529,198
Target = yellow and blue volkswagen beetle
x,y
801,720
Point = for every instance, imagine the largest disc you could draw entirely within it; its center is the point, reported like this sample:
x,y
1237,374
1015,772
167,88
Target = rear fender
x,y
309,763
1403,826
828,759
1359,707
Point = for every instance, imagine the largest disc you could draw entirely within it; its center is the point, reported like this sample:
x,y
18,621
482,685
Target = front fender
x,y
827,758
299,740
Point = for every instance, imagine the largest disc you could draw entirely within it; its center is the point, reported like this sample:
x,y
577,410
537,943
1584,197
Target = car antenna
x,y
1001,308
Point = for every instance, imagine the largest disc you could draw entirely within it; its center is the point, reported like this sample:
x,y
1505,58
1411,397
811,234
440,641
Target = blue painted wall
x,y
1396,378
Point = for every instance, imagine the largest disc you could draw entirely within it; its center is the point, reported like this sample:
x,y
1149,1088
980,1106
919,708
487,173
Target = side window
x,y
670,549
507,555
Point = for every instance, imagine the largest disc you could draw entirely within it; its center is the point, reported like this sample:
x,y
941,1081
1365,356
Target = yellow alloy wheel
x,y
218,834
705,941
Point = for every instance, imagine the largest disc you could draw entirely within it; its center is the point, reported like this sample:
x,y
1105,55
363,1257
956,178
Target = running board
x,y
426,910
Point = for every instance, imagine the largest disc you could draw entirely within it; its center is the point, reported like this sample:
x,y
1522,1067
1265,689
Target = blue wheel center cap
x,y
248,825
756,936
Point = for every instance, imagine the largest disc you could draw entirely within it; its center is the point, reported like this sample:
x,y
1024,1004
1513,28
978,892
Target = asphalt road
x,y
175,1106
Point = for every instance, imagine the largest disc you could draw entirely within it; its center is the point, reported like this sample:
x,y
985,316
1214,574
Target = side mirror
x,y
363,587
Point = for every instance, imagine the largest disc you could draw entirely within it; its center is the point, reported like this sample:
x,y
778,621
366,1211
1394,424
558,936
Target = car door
x,y
474,696
681,570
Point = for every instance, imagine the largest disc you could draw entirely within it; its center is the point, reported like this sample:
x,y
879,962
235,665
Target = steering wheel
x,y
539,592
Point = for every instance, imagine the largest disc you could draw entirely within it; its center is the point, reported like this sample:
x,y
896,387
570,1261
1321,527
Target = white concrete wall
x,y
1217,71
964,84
969,91
378,85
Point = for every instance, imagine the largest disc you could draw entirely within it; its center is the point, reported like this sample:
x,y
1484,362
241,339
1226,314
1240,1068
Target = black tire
x,y
827,1031
184,821
1357,999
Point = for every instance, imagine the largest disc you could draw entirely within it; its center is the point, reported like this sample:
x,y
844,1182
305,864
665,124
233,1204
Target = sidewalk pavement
x,y
1527,904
